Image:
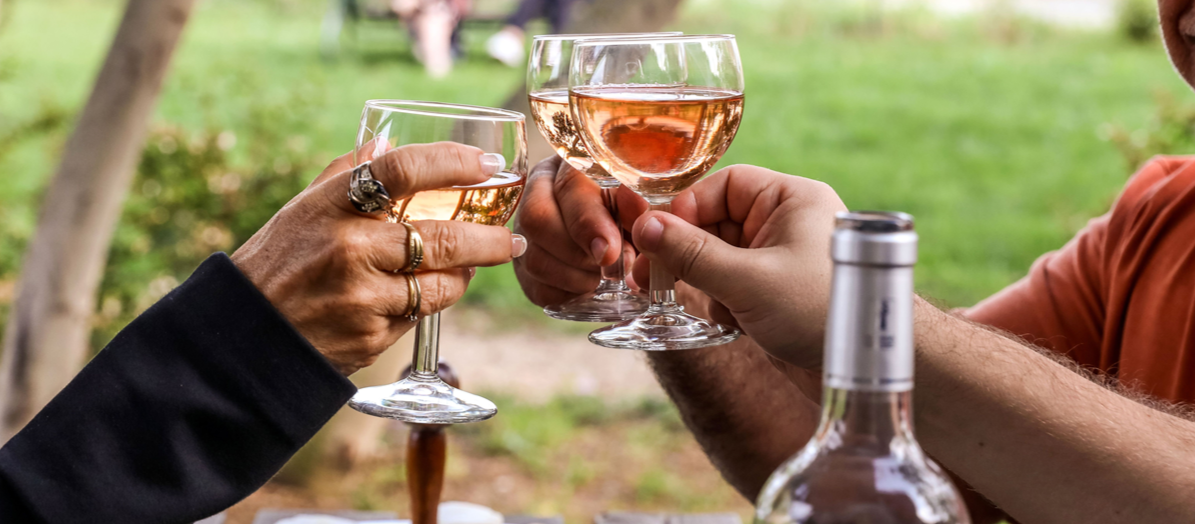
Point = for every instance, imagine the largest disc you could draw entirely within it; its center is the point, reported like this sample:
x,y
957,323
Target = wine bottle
x,y
863,464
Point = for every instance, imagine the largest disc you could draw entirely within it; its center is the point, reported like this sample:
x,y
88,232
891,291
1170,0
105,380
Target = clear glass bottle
x,y
863,465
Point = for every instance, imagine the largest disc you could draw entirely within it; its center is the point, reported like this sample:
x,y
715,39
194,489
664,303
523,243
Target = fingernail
x,y
472,272
598,248
649,236
518,245
492,163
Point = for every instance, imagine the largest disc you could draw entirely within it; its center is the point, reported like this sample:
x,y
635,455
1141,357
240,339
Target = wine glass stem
x,y
663,284
426,361
614,275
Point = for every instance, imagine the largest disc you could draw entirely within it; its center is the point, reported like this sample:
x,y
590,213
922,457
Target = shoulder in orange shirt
x,y
1120,296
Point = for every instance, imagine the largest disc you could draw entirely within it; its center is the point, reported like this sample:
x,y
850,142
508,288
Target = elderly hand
x,y
757,242
331,270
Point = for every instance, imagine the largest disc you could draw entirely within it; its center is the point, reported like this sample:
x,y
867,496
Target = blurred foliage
x,y
191,198
982,126
1137,20
1171,130
50,118
531,433
867,20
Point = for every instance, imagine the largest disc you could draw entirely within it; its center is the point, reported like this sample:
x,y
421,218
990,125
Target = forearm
x,y
1040,440
745,414
192,407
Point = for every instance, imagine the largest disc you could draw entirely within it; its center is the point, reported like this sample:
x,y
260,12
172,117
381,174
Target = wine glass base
x,y
422,400
664,330
601,306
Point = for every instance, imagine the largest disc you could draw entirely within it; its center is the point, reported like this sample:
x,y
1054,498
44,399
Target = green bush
x,y
1137,20
190,198
1171,130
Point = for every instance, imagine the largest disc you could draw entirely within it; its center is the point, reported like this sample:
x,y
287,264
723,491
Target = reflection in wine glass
x,y
421,397
547,85
657,113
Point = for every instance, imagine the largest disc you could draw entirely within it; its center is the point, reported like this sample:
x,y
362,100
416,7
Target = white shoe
x,y
506,48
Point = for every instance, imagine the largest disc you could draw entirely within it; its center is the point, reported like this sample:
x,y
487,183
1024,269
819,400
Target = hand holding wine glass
x,y
547,85
330,270
422,397
657,113
755,241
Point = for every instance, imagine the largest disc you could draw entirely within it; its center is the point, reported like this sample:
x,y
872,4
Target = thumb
x,y
690,253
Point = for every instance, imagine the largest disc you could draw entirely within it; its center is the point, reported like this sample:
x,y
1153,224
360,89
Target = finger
x,y
641,273
437,291
346,161
539,293
630,207
690,253
586,216
540,220
748,195
446,244
543,267
721,314
413,168
410,169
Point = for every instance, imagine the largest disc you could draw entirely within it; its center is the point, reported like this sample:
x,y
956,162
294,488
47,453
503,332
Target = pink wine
x,y
551,113
657,140
491,202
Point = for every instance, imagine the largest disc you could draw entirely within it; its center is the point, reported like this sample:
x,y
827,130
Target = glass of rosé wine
x,y
421,397
547,88
657,113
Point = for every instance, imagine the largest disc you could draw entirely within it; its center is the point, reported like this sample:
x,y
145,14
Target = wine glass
x,y
547,88
421,397
657,113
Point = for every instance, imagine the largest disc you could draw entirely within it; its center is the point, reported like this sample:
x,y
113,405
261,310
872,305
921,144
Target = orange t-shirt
x,y
1120,296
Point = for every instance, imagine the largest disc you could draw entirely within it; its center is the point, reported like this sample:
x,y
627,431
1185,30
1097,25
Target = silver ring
x,y
366,193
416,297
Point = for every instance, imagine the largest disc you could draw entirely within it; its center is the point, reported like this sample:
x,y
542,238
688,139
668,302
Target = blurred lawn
x,y
986,130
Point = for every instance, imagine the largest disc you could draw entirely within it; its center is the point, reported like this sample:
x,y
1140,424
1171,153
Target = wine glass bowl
x,y
548,96
547,85
658,140
657,113
421,397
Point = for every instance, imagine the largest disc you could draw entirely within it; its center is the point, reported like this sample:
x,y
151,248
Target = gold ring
x,y
415,297
414,248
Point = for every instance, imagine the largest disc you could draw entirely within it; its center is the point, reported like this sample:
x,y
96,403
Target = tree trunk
x,y
49,325
599,16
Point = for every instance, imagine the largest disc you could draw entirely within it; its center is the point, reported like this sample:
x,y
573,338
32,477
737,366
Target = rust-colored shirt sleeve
x,y
1059,304
1120,296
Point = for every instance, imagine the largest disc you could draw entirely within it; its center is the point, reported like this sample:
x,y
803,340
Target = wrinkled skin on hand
x,y
331,271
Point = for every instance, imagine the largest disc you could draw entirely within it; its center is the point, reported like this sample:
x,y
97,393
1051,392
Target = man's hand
x,y
330,270
570,233
758,243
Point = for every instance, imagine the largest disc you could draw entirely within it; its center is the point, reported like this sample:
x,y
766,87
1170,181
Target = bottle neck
x,y
868,365
869,418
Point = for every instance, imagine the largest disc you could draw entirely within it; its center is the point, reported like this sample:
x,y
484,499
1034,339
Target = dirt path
x,y
535,362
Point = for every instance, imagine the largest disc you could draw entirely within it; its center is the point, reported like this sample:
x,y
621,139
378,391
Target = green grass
x,y
987,132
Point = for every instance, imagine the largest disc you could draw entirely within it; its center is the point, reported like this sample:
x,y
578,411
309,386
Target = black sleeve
x,y
195,405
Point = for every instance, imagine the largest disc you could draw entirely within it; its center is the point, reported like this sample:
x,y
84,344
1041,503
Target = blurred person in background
x,y
434,26
204,397
1073,412
506,45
